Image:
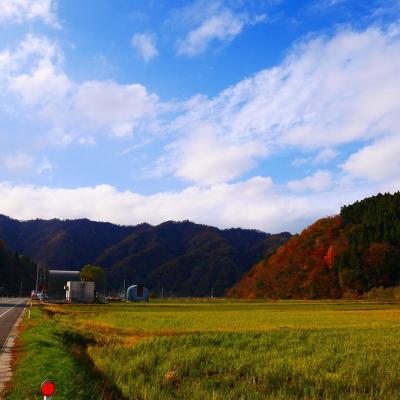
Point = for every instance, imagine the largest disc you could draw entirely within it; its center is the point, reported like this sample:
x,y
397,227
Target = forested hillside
x,y
345,255
17,273
187,259
62,243
184,258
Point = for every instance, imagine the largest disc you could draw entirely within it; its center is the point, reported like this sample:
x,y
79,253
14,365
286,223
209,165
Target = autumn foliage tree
x,y
349,253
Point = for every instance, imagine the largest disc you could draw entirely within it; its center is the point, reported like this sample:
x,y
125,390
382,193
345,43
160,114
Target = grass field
x,y
212,350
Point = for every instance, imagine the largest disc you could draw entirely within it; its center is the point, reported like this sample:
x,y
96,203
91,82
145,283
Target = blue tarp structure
x,y
137,293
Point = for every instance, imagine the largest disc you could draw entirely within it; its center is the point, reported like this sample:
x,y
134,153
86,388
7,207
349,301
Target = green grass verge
x,y
47,351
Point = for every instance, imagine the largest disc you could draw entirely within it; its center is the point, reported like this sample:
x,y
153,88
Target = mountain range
x,y
182,258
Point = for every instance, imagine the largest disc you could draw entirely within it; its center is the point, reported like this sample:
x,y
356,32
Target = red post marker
x,y
48,388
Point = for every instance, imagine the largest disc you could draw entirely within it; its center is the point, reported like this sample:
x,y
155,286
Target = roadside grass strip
x,y
47,351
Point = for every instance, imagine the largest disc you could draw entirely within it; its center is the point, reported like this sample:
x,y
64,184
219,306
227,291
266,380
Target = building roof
x,y
61,272
133,286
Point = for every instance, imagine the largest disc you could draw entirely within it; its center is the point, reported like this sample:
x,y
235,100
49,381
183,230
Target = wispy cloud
x,y
145,45
208,22
329,91
326,4
22,164
319,181
325,155
222,27
18,11
18,162
44,166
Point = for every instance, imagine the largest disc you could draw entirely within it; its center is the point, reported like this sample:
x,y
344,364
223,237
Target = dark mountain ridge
x,y
184,258
61,243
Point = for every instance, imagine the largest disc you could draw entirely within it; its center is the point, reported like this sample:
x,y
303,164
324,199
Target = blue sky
x,y
262,114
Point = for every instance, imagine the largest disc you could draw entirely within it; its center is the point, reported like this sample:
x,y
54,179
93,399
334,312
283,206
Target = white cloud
x,y
34,73
205,22
145,45
299,161
222,27
18,162
328,92
24,10
31,53
317,182
320,5
325,156
5,63
205,160
87,140
120,107
22,163
43,85
44,166
255,203
379,161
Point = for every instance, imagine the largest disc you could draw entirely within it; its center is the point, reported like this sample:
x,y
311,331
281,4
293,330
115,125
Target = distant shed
x,y
57,280
137,293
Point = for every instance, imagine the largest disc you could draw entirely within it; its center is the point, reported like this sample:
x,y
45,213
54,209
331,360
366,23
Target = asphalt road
x,y
10,310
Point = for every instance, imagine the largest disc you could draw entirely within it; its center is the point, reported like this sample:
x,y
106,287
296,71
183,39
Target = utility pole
x,y
37,279
162,292
212,292
20,290
124,289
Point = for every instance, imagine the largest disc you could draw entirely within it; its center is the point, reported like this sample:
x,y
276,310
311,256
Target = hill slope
x,y
184,258
346,254
187,259
17,273
61,244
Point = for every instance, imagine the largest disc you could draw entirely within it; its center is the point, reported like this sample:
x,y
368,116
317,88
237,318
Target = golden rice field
x,y
212,350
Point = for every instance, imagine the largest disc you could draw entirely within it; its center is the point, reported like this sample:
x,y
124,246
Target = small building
x,y
57,280
137,293
80,292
